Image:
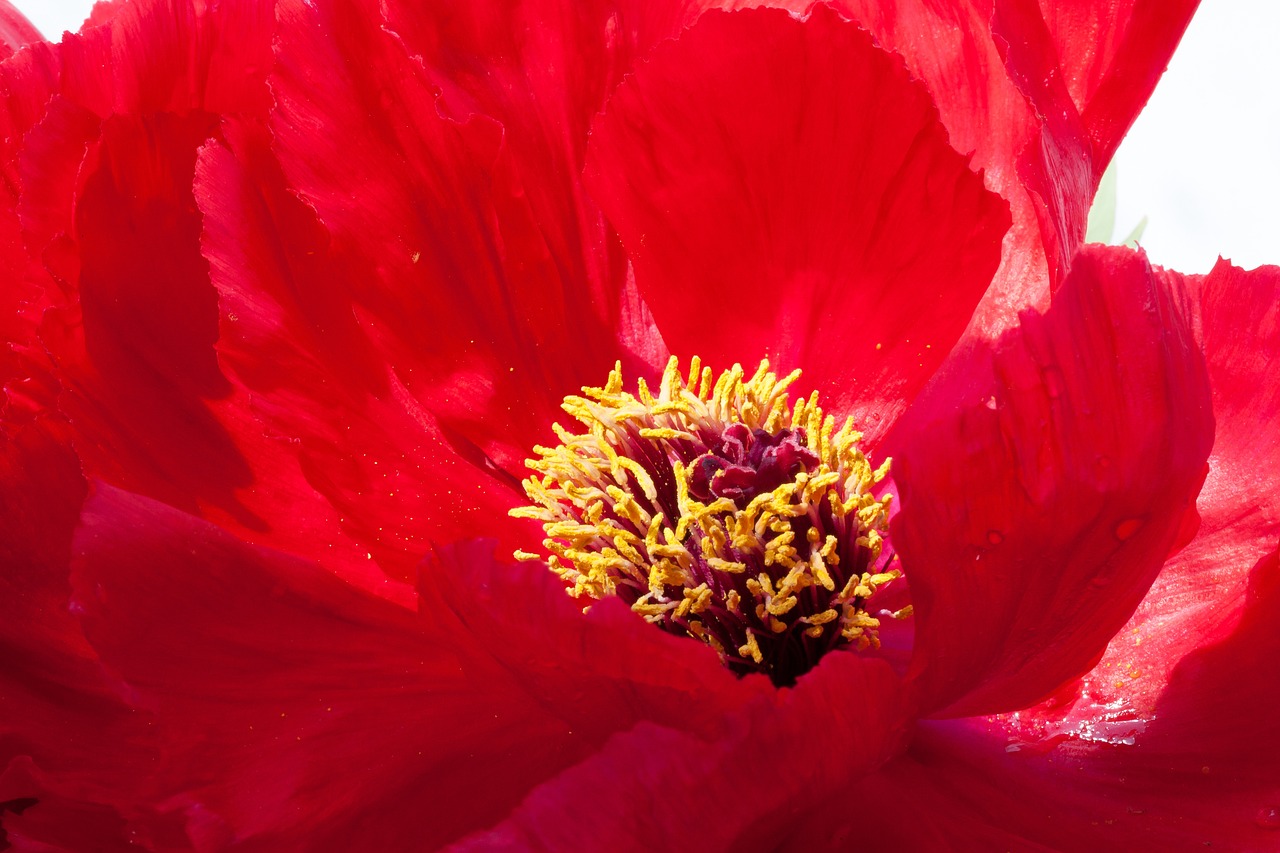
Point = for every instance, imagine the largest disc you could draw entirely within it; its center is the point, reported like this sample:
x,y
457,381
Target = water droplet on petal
x,y
1127,528
1268,817
995,537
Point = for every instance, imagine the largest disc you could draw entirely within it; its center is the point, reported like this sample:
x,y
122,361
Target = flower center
x,y
717,510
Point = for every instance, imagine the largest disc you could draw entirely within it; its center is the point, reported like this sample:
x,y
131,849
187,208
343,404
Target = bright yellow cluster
x,y
620,519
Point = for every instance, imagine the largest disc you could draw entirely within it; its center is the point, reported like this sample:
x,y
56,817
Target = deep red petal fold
x,y
70,749
600,671
766,783
107,213
135,351
1045,484
38,818
837,232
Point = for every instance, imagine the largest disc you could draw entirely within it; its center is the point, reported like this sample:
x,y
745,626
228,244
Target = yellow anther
x,y
664,573
699,597
878,580
534,512
642,388
822,618
667,434
671,382
628,550
705,383
862,619
641,475
627,507
695,370
751,648
820,573
781,606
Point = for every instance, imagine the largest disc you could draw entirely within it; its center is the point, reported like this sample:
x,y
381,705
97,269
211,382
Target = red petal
x,y
103,12
1044,485
1241,328
1110,55
1199,595
542,69
1041,93
67,741
292,707
600,672
1023,131
770,780
1200,774
1087,67
136,352
151,56
15,30
486,320
815,230
353,461
36,818
27,81
289,705
164,56
39,504
119,233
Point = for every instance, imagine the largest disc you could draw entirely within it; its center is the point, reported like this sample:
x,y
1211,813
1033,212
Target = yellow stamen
x,y
620,508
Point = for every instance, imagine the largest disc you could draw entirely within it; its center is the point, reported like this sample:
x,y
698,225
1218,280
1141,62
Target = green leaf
x,y
1102,216
1136,234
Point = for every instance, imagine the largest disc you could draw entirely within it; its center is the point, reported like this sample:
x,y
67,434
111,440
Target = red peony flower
x,y
294,289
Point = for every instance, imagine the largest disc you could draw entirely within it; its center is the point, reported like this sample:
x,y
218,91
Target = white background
x,y
1202,163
